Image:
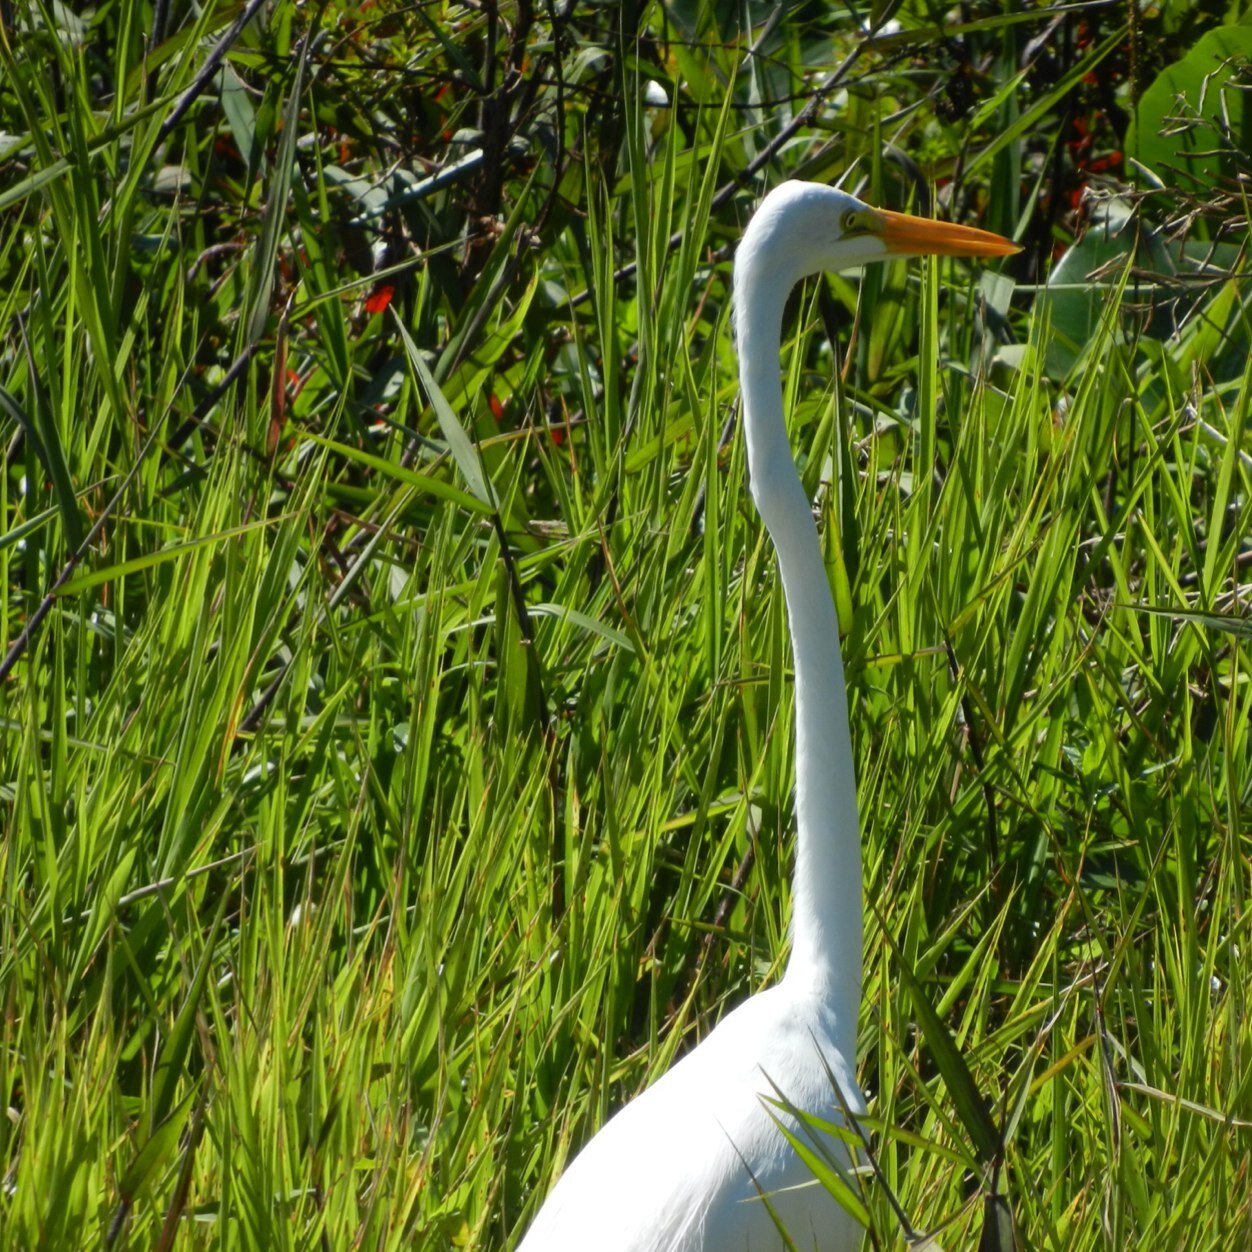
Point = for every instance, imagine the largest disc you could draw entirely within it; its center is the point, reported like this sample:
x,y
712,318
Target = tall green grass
x,y
397,767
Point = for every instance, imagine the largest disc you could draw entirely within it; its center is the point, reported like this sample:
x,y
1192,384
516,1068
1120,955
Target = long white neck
x,y
826,896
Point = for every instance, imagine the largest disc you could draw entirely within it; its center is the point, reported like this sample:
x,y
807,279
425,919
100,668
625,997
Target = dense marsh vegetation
x,y
395,740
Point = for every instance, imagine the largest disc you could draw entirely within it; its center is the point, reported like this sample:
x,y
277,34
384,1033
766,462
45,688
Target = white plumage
x,y
683,1166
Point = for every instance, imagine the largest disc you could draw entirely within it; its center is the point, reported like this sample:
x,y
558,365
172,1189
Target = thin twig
x,y
203,78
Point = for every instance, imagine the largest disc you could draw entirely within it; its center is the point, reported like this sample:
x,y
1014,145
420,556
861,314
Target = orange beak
x,y
922,236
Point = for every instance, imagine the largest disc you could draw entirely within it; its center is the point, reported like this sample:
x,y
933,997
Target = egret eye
x,y
851,221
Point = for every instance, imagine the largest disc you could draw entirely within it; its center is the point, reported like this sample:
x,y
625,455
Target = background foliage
x,y
395,754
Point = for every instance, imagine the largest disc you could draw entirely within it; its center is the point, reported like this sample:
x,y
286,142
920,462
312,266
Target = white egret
x,y
684,1166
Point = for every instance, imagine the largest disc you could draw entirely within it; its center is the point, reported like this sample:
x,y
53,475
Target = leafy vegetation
x,y
396,744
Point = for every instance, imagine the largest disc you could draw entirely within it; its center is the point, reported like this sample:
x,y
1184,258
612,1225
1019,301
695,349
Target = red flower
x,y
379,298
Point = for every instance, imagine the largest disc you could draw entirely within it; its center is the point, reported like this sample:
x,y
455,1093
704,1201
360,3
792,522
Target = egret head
x,y
803,228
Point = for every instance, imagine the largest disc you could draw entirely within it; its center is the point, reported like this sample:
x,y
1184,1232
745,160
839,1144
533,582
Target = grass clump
x,y
395,754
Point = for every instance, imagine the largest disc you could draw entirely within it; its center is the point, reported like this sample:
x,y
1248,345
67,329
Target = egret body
x,y
682,1168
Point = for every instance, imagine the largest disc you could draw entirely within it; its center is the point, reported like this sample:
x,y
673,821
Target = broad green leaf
x,y
459,443
971,1105
171,1061
584,622
426,483
156,1151
93,578
1177,128
46,442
